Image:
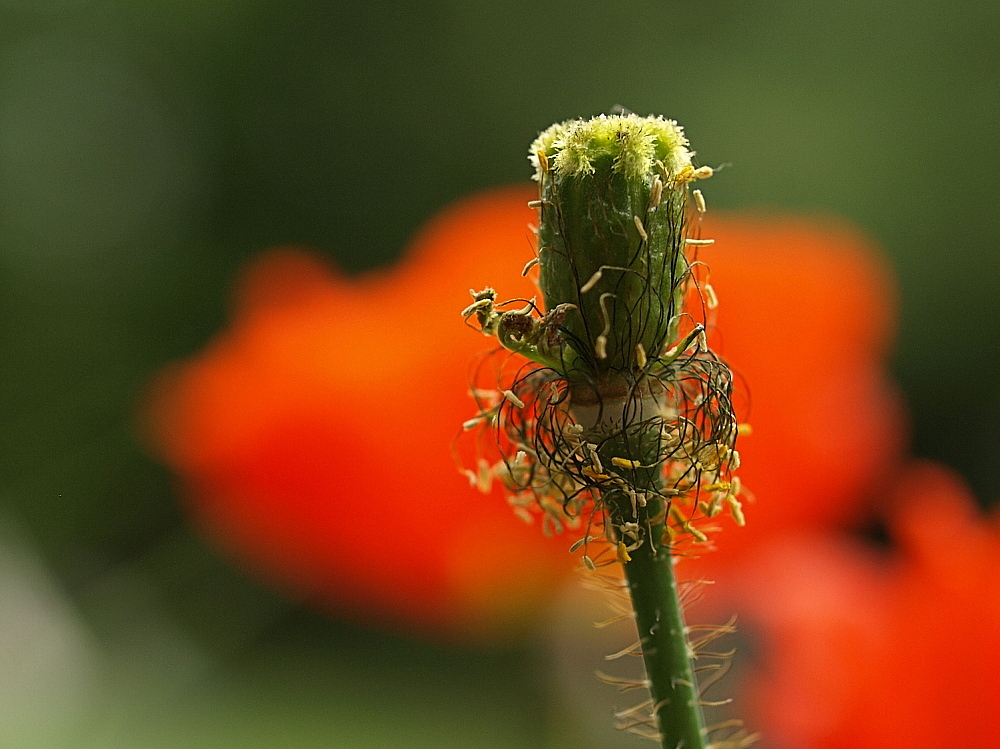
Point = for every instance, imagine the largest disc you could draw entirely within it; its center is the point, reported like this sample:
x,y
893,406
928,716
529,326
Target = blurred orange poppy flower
x,y
862,650
805,318
312,437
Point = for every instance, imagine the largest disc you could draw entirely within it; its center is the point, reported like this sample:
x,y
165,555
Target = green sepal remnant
x,y
537,339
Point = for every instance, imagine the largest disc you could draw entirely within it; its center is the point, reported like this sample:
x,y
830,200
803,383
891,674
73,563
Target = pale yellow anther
x,y
699,242
595,458
482,304
625,463
640,228
524,515
720,486
512,398
685,525
669,535
601,343
623,555
592,474
640,355
656,192
601,347
592,281
484,477
689,174
711,300
634,501
543,160
736,510
699,201
630,530
696,533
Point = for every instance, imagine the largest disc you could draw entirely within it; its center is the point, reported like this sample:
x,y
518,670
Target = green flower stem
x,y
665,652
649,572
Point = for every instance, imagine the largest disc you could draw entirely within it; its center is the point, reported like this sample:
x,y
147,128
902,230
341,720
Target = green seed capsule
x,y
611,237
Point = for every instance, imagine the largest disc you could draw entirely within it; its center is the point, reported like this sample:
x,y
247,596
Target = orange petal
x,y
314,436
806,312
898,652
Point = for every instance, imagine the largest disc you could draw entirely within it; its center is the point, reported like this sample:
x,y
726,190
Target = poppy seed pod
x,y
612,236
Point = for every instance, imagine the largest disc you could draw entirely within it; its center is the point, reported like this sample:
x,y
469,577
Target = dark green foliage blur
x,y
148,149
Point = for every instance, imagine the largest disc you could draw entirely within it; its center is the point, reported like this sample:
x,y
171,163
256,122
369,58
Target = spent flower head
x,y
627,392
624,424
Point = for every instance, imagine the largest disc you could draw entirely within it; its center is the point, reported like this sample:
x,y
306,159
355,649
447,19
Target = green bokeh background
x,y
148,149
